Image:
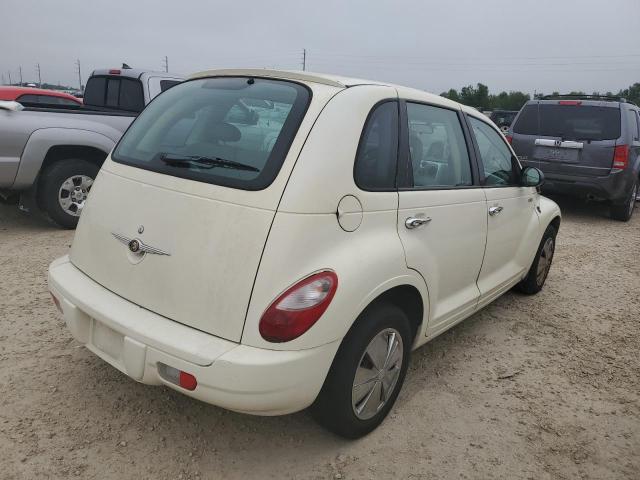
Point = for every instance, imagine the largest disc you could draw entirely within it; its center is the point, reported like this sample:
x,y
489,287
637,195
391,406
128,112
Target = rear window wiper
x,y
204,162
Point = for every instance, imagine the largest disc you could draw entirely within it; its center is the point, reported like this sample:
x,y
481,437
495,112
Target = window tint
x,y
527,123
94,91
190,131
494,153
377,157
635,124
167,84
113,91
580,122
131,96
437,149
28,98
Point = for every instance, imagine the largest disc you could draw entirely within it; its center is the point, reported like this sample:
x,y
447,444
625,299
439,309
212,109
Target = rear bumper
x,y
614,187
229,375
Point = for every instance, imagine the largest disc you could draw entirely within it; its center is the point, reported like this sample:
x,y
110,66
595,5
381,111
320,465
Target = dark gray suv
x,y
586,146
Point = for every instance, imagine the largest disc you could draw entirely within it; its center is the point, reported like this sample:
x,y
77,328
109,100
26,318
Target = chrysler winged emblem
x,y
136,245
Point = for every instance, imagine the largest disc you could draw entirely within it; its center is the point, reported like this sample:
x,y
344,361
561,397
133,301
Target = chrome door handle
x,y
494,210
414,222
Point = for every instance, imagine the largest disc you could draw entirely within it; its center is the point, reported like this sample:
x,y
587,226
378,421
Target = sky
x,y
528,45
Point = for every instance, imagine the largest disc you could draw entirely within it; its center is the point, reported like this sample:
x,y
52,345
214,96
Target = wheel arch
x,y
407,298
47,145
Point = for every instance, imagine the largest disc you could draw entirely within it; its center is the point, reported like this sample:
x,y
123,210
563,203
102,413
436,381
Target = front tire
x,y
367,373
624,211
63,190
537,275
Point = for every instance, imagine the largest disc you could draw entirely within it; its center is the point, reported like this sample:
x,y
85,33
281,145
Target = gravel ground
x,y
543,387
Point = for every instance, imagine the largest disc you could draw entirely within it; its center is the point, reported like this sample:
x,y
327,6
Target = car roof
x,y
583,102
336,81
130,72
11,93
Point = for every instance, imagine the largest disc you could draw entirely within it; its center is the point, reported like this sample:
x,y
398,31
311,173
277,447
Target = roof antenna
x,y
126,67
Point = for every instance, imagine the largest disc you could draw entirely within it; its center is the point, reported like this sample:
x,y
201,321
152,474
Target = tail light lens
x,y
509,139
296,310
621,157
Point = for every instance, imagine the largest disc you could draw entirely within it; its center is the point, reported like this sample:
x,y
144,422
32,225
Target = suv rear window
x,y
230,131
570,122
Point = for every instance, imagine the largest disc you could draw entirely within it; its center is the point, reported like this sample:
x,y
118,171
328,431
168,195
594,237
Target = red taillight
x,y
56,302
570,102
621,156
509,139
296,310
114,71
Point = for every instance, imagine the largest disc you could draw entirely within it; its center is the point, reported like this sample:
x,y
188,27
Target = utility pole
x,y
304,59
9,72
166,64
20,70
79,74
3,79
39,76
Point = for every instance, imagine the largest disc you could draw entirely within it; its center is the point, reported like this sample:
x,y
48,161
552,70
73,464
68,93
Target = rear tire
x,y
63,189
624,211
537,275
357,395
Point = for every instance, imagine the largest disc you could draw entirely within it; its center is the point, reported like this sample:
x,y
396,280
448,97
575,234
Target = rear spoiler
x,y
11,106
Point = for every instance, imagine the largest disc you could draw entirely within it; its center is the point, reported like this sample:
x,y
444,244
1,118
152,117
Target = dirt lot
x,y
540,387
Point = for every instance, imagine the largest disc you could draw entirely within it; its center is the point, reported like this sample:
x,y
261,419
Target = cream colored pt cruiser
x,y
267,241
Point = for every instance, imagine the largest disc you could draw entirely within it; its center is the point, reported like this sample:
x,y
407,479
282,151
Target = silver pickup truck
x,y
50,154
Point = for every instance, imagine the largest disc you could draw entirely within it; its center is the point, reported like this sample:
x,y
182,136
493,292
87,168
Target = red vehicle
x,y
37,96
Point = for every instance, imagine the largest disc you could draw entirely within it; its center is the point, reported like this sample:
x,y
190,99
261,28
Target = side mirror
x,y
531,177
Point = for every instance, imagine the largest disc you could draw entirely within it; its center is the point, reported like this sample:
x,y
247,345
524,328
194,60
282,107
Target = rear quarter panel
x,y
306,237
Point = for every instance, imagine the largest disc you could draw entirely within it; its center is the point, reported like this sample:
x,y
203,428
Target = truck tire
x,y
624,211
63,189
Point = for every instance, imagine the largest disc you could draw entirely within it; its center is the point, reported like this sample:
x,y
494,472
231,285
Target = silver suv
x,y
587,146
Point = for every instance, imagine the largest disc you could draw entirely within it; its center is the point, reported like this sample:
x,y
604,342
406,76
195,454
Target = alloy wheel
x,y
73,194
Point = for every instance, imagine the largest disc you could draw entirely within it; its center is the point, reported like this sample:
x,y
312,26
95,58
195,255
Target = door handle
x,y
494,210
415,222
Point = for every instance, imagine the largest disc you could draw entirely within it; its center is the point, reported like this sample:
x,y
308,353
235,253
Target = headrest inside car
x,y
225,132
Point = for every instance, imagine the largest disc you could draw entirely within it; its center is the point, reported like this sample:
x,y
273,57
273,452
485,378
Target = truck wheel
x,y
367,373
537,275
623,212
63,190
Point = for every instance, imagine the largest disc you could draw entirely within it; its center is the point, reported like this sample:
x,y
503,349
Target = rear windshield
x,y
231,131
570,122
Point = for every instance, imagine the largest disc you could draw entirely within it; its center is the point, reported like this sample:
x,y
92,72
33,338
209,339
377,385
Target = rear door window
x,y
437,148
230,131
377,157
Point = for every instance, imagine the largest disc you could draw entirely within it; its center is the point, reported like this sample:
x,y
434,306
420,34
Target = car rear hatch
x,y
177,220
568,137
